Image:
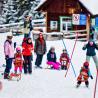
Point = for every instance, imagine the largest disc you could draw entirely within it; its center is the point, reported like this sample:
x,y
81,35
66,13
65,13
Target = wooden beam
x,y
46,20
88,26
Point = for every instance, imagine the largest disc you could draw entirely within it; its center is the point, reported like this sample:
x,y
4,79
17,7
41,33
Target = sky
x,y
92,5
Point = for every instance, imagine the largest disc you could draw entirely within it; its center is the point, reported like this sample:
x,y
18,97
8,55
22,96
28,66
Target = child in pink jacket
x,y
18,62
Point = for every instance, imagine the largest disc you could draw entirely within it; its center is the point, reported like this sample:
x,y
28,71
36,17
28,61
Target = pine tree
x,y
15,10
9,13
25,7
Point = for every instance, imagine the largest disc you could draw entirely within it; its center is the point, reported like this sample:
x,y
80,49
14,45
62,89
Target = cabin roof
x,y
90,5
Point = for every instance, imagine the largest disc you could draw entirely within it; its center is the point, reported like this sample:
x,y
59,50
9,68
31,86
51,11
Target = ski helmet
x,y
18,49
86,64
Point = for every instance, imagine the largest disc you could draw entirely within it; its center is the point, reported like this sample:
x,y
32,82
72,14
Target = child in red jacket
x,y
27,49
18,62
84,75
64,60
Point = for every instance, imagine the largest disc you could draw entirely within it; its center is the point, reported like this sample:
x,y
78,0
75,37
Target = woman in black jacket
x,y
91,47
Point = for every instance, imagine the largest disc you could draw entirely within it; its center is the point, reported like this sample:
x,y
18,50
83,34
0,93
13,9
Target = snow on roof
x,y
91,5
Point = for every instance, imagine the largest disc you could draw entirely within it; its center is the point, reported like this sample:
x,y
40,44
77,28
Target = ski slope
x,y
44,83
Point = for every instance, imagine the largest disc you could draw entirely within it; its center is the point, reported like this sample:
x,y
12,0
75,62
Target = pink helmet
x,y
18,49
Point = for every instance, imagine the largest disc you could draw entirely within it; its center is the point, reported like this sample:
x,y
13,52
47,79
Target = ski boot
x,y
6,76
40,67
77,86
87,86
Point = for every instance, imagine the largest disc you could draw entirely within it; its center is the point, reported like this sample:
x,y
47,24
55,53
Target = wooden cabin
x,y
60,15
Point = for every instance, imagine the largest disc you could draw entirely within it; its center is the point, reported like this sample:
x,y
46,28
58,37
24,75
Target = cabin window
x,y
65,23
53,25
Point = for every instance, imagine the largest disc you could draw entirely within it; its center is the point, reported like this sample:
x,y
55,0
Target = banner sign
x,y
79,19
75,19
96,21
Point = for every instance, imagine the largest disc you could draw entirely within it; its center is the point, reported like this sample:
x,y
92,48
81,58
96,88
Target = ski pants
x,y
8,65
27,64
54,65
39,59
86,82
94,58
16,68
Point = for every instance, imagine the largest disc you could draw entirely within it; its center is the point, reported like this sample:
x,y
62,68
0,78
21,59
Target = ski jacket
x,y
27,27
85,71
84,74
90,49
40,48
27,49
51,56
64,57
8,49
18,59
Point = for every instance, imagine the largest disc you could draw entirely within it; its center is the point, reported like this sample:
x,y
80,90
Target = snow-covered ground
x,y
49,83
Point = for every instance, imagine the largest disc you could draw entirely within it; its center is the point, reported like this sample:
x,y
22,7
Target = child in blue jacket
x,y
52,60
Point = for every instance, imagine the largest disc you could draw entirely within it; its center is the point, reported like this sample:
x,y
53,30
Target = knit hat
x,y
41,30
52,48
9,36
64,50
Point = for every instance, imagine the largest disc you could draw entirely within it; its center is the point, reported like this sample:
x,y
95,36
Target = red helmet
x,y
86,63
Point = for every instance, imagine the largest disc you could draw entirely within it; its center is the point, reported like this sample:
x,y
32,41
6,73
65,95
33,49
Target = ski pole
x,y
72,54
70,60
96,84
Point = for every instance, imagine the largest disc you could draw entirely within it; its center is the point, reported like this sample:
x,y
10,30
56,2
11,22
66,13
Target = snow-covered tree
x,y
24,7
28,8
9,13
15,10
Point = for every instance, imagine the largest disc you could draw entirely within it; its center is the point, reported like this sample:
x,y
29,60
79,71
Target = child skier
x,y
51,59
84,75
18,62
64,60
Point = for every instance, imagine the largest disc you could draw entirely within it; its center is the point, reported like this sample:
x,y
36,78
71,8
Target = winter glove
x,y
91,77
15,45
44,53
6,57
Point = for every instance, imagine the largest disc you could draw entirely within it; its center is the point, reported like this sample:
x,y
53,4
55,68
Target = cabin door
x,y
65,24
